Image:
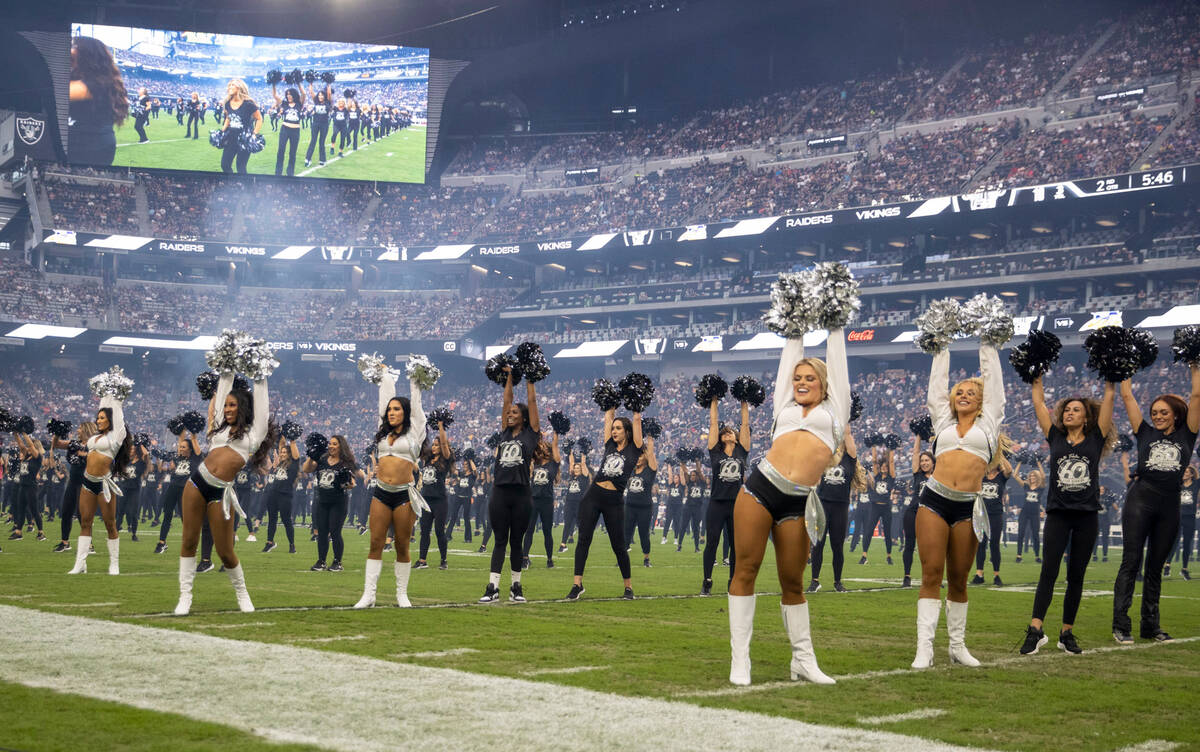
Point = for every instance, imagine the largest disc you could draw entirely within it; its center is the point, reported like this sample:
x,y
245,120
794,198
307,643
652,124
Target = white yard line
x,y
271,695
567,670
912,715
243,625
1152,745
337,638
80,605
435,653
161,141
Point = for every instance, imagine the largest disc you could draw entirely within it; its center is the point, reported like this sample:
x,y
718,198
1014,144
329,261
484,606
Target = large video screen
x,y
251,105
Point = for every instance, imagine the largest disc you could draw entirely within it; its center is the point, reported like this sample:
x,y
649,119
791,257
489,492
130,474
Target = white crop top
x,y
828,419
982,437
109,443
249,441
406,446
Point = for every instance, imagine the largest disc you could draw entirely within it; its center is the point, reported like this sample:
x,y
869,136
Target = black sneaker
x,y
490,594
292,549
42,536
549,563
482,550
16,535
562,548
336,566
1167,570
420,565
646,563
318,567
907,582
132,538
1018,558
387,547
977,579
814,587
863,560
1122,637
515,593
443,565
1184,574
1103,559
204,566
839,587
706,587
1034,640
889,560
576,591
160,548
525,564
269,547
725,562
1066,641
1037,560
1157,636
67,547
997,582
628,595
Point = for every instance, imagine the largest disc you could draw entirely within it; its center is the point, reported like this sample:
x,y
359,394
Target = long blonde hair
x,y
858,483
242,90
1004,442
822,372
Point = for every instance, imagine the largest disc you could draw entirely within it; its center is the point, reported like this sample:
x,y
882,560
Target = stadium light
x,y
1042,228
852,246
1106,222
731,259
41,331
980,234
683,263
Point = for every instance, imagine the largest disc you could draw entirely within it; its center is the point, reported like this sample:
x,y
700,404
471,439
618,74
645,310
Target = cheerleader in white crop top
x,y
396,499
812,410
967,438
240,436
108,453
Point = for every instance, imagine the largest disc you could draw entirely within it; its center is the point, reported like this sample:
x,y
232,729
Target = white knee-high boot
x,y
929,610
82,546
114,555
956,627
741,629
187,575
374,566
237,578
403,570
804,660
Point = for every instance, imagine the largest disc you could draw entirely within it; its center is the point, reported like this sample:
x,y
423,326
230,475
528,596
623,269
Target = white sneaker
x,y
251,539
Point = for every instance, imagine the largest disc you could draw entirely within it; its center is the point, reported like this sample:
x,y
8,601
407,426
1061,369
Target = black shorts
x,y
782,506
391,499
94,486
953,512
210,492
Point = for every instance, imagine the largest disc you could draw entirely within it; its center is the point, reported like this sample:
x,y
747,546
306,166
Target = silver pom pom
x,y
986,316
112,383
222,358
422,370
372,367
832,295
255,359
939,324
788,315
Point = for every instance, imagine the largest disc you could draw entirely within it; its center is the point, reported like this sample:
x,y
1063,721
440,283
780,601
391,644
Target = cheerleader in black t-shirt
x,y
353,122
727,453
675,489
577,485
241,116
98,102
881,480
436,461
25,507
1079,434
279,493
335,474
1187,521
547,462
622,445
141,115
319,128
639,500
463,481
77,461
923,464
1151,514
695,494
841,479
287,109
993,492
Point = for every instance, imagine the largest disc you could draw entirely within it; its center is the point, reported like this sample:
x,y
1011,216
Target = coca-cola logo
x,y
860,335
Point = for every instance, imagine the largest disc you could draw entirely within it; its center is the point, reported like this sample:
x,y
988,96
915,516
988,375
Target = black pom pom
x,y
1124,443
748,390
856,406
141,440
443,415
1145,347
606,395
532,360
315,446
206,383
175,425
652,428
493,441
310,76
467,455
1034,357
567,447
891,441
193,421
494,369
241,384
560,423
291,430
274,76
295,77
1185,345
583,444
711,387
328,77
1113,353
682,454
922,426
348,94
25,424
58,428
6,420
637,391
873,439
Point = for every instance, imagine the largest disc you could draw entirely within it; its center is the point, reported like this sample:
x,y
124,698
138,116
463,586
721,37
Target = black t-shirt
x,y
144,103
283,478
465,483
576,486
290,112
727,471
693,494
675,493
1187,498
183,469
514,456
330,481
640,487
433,480
339,116
1033,496
542,478
919,479
617,464
320,112
241,116
1162,458
1074,471
29,470
835,483
241,481
881,489
992,490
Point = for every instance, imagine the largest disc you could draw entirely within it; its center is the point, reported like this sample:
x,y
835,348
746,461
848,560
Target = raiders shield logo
x,y
30,130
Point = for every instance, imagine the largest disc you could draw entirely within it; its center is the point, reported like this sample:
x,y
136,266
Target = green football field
x,y
400,157
306,672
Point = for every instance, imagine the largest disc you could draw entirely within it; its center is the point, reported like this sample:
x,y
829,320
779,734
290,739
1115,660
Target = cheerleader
x,y
923,465
842,478
25,505
288,110
622,449
1079,433
511,500
546,464
353,122
639,500
98,102
131,490
180,105
436,462
195,116
882,482
240,434
1029,519
968,440
76,461
109,450
1187,520
1151,515
577,485
141,115
397,501
483,523
694,489
675,488
993,492
464,488
727,454
335,473
340,119
187,455
241,113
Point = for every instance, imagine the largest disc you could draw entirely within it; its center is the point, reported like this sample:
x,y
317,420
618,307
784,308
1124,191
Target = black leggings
x,y
910,536
637,517
317,134
861,513
193,126
435,518
328,519
279,509
995,526
1080,529
570,518
876,513
1183,541
232,153
1102,537
1150,517
25,507
718,519
671,519
289,140
689,517
1027,527
69,507
543,510
508,512
172,499
461,508
139,125
127,507
837,520
596,503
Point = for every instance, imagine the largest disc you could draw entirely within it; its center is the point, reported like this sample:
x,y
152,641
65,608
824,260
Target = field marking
x,y
152,141
435,653
441,705
912,715
237,626
107,604
1152,745
308,171
566,670
337,638
940,667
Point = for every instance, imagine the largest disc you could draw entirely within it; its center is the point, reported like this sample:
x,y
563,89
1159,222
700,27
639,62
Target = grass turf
x,y
400,157
664,646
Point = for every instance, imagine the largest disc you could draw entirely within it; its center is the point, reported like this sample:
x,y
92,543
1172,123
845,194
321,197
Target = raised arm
x,y
839,378
637,430
744,429
196,444
216,407
535,421
262,413
937,399
891,463
555,452
1193,416
916,457
713,424
1105,421
417,420
608,423
508,396
993,385
651,458
443,442
117,434
1125,467
851,447
1131,406
1040,409
275,93
793,353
